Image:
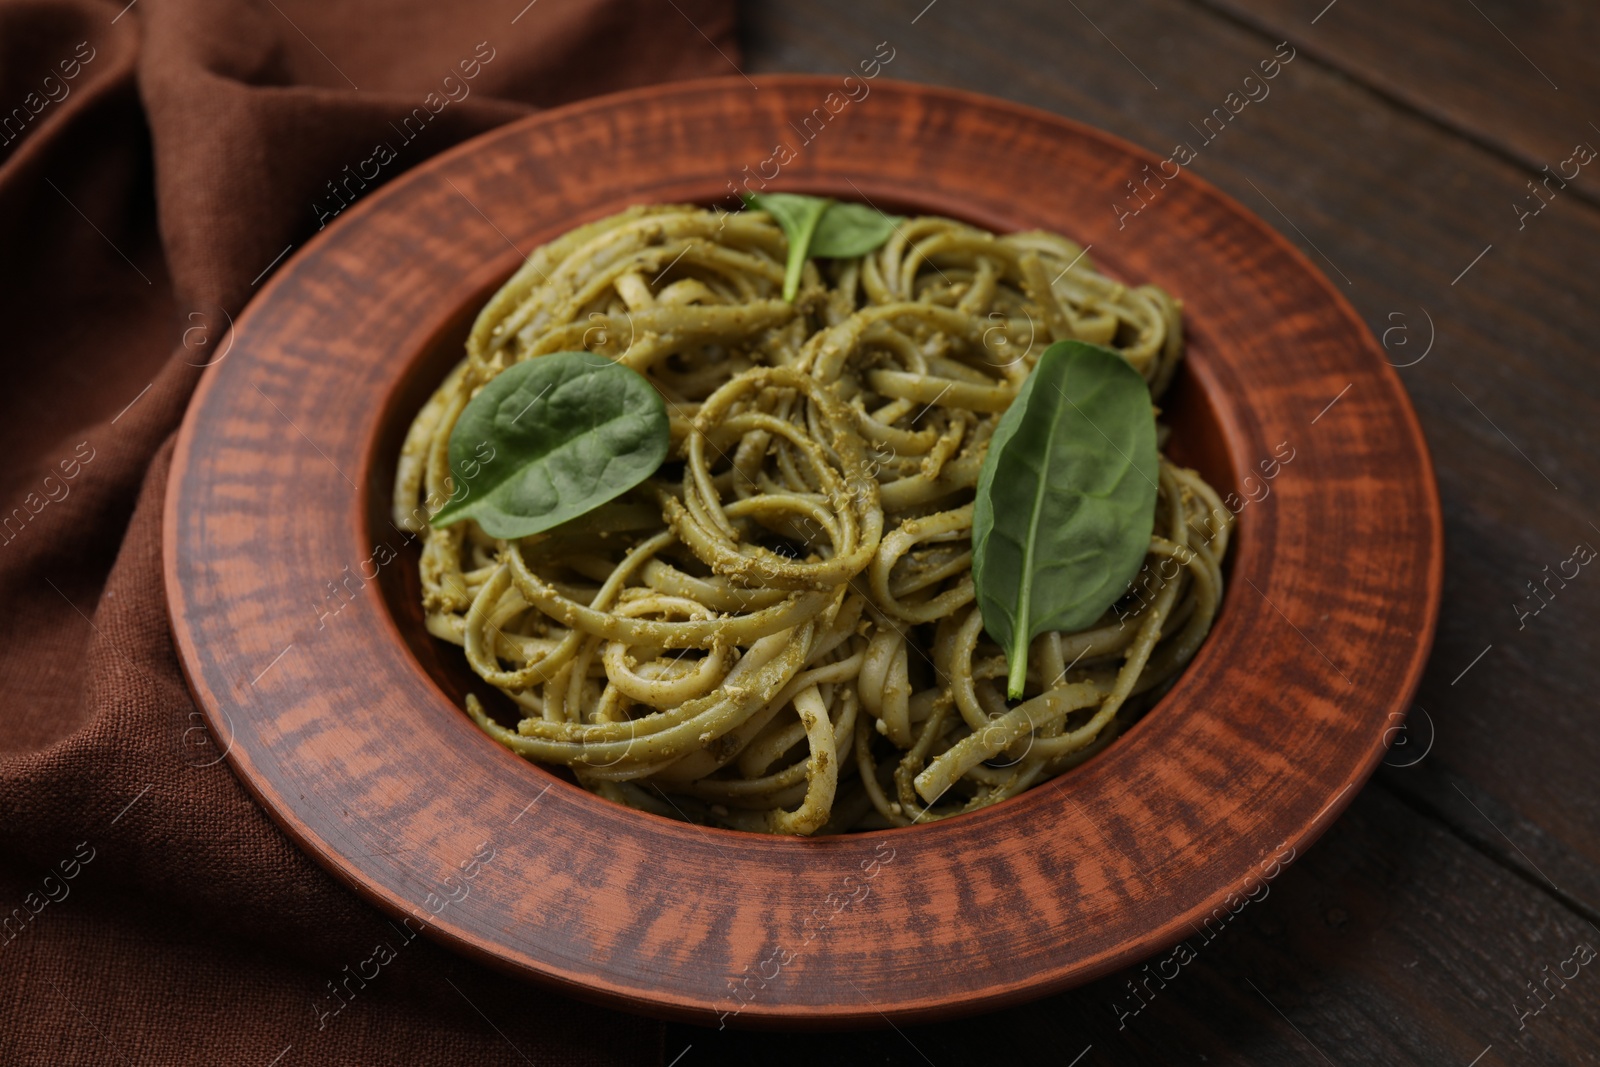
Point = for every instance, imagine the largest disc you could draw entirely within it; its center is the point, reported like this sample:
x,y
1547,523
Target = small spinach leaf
x,y
797,216
818,226
551,438
850,230
1066,499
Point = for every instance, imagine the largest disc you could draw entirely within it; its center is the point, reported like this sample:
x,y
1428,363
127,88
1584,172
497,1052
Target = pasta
x,y
777,631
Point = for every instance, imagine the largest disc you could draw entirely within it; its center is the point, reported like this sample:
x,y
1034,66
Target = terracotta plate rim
x,y
590,985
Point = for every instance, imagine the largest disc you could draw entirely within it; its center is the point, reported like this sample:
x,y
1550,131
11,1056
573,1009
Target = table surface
x,y
1450,916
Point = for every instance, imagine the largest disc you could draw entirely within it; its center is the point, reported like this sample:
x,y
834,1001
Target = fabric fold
x,y
158,160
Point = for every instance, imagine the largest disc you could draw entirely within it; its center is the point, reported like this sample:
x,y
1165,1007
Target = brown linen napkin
x,y
157,161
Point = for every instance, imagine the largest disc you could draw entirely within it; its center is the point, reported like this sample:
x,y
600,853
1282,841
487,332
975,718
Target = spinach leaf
x,y
1066,499
818,226
797,216
850,230
551,438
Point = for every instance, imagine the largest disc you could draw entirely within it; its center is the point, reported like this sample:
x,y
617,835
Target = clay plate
x,y
293,599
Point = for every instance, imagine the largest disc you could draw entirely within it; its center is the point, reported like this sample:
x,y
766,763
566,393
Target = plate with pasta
x,y
890,587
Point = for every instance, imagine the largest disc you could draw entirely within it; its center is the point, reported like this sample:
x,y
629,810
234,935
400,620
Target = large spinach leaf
x,y
1066,499
551,438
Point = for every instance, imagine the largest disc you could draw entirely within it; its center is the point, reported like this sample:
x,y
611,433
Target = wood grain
x,y
351,738
1504,75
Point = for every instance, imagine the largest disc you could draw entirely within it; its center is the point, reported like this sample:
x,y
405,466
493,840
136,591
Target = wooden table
x,y
1395,149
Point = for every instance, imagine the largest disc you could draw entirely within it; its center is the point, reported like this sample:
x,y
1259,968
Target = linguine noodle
x,y
777,632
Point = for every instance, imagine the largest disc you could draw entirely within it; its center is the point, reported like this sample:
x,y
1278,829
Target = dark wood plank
x,y
1389,943
1403,210
1483,821
1518,77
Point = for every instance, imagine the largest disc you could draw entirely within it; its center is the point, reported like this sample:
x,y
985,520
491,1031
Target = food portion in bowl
x,y
804,519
